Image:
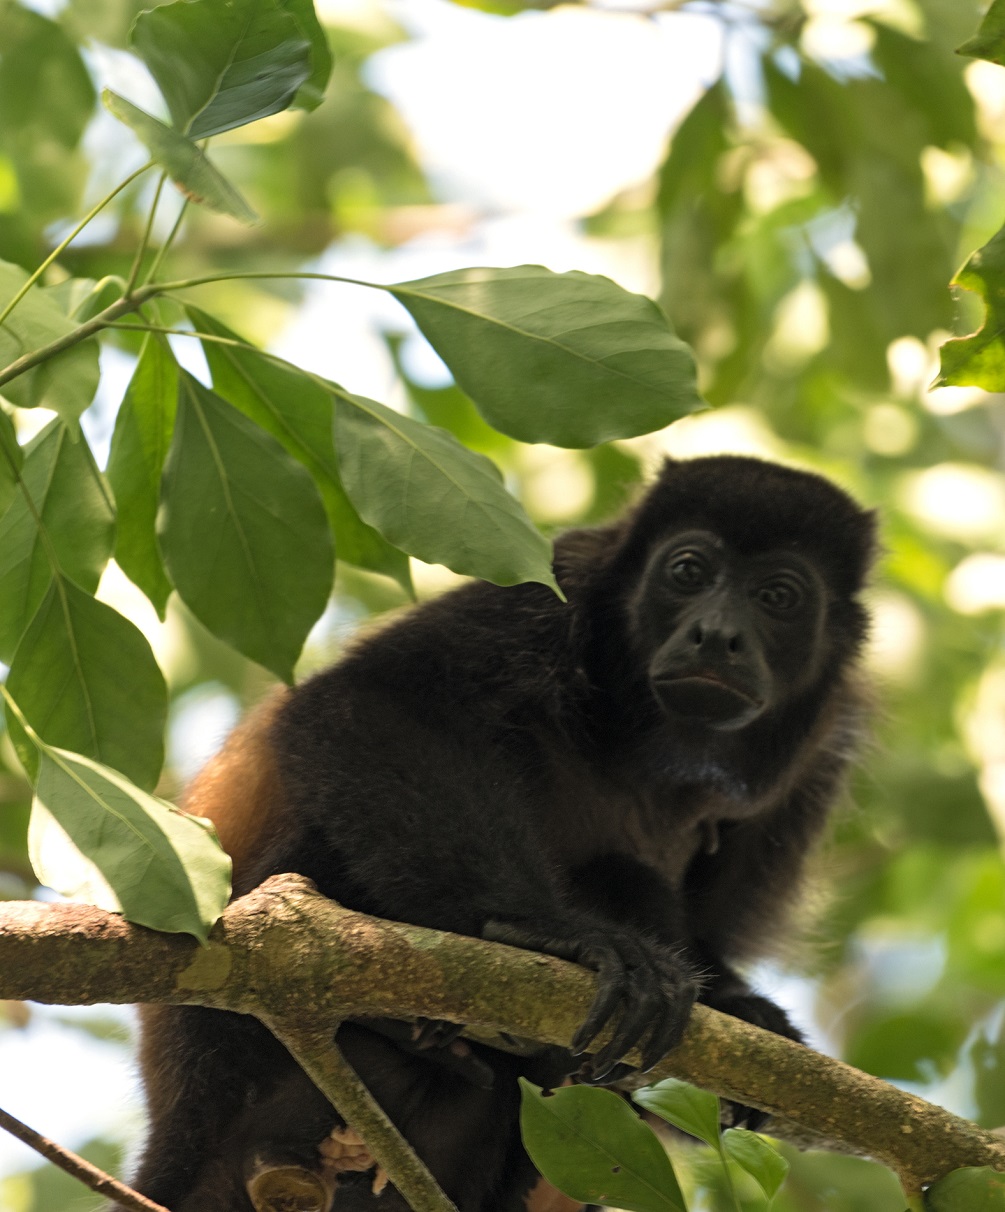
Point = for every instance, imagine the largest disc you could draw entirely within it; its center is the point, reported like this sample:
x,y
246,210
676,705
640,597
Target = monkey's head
x,y
739,580
727,633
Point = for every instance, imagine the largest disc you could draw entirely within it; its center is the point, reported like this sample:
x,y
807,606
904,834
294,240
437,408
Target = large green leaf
x,y
86,680
46,92
183,161
979,359
571,359
11,462
433,498
46,101
989,41
243,531
590,1144
96,837
71,501
972,1189
222,63
312,92
65,383
297,411
140,442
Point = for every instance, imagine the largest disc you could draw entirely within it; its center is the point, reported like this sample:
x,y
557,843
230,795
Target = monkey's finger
x,y
611,984
645,1004
679,998
668,1030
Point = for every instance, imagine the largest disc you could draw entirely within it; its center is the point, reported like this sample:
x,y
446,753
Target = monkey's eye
x,y
689,572
779,595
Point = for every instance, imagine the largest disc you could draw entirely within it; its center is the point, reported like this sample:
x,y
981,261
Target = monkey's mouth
x,y
707,698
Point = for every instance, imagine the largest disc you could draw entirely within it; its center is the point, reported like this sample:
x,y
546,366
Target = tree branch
x,y
289,955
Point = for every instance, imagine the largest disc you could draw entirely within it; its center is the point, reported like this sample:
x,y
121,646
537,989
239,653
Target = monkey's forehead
x,y
757,506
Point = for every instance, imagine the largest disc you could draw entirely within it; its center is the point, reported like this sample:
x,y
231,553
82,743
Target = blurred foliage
x,y
46,1188
811,211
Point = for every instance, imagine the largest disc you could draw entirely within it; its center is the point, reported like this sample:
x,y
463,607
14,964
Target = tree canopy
x,y
178,531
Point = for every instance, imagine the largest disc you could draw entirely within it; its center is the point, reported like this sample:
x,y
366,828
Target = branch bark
x,y
289,956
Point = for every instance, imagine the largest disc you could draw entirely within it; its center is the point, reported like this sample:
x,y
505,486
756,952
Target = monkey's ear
x,y
584,557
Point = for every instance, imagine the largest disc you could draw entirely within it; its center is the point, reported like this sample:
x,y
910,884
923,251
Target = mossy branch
x,y
289,956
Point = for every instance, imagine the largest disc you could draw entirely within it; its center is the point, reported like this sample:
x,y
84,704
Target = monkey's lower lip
x,y
708,698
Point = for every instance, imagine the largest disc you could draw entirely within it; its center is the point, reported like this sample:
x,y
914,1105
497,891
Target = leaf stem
x,y
102,320
162,251
133,300
233,343
250,275
98,206
18,714
134,272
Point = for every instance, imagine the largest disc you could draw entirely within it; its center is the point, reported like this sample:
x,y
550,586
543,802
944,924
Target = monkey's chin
x,y
707,701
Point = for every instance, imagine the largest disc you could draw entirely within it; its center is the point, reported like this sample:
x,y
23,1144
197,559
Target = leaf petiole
x,y
65,243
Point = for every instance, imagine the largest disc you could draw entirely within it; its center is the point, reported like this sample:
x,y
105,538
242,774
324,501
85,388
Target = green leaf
x,y
431,497
222,63
46,92
989,41
86,680
312,91
591,1145
761,1161
96,837
979,359
571,359
243,531
972,1189
140,442
185,164
11,462
683,1105
297,411
65,383
71,500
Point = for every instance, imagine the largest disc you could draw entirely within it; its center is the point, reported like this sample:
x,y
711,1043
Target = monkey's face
x,y
726,635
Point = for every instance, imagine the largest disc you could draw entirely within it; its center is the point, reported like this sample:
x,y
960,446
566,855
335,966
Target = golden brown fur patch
x,y
238,790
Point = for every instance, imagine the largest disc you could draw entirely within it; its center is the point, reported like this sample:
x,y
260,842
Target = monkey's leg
x,y
468,1135
222,1092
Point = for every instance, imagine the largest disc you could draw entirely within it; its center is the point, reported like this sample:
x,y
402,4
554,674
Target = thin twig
x,y
80,1169
324,1063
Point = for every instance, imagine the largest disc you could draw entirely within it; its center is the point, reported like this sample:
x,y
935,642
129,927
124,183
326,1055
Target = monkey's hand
x,y
652,986
436,1041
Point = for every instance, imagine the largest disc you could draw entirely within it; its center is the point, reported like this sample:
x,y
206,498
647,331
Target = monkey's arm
x,y
631,891
427,819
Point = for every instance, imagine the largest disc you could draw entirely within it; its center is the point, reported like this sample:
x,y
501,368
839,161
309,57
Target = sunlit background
x,y
801,234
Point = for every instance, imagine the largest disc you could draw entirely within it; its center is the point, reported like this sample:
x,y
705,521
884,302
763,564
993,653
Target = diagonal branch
x,y
286,954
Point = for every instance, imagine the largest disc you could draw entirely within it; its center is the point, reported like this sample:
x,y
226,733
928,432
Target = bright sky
x,y
552,112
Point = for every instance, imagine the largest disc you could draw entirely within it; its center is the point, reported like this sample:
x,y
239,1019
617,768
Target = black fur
x,y
631,779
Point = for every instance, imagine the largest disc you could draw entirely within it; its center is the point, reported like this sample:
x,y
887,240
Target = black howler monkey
x,y
630,779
